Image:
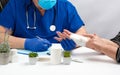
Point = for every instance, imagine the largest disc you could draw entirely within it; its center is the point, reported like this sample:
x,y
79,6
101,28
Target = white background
x,y
100,16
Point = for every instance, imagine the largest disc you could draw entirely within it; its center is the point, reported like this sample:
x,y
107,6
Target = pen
x,y
39,37
48,53
22,53
46,45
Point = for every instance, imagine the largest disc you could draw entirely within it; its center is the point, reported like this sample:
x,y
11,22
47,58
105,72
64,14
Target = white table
x,y
93,63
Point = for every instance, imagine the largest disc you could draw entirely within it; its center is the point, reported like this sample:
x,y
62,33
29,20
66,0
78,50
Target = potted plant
x,y
66,57
33,58
5,51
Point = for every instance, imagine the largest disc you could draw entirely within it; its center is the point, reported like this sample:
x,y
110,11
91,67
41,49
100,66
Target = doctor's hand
x,y
67,43
37,44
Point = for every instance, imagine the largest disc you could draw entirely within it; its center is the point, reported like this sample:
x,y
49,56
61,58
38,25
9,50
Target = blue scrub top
x,y
63,15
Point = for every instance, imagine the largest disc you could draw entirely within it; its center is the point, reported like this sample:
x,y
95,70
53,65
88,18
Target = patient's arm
x,y
102,45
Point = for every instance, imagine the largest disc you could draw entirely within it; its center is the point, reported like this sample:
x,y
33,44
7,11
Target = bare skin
x,y
42,11
102,45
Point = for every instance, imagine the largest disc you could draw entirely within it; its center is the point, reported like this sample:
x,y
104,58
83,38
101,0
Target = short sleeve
x,y
7,16
116,39
118,55
74,19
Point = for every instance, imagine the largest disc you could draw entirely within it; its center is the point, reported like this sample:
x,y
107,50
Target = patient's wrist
x,y
79,39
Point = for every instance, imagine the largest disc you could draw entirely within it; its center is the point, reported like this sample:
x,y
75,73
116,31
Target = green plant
x,y
66,53
33,54
4,46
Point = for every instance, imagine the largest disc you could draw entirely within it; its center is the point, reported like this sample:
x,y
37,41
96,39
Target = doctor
x,y
33,24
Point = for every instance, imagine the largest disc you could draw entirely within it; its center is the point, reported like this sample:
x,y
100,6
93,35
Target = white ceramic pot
x,y
32,60
66,60
4,58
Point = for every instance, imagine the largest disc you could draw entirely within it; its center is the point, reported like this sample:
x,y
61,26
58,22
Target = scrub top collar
x,y
28,2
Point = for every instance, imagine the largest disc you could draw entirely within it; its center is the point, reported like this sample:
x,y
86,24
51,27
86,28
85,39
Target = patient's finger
x,y
67,32
66,35
89,35
61,35
58,39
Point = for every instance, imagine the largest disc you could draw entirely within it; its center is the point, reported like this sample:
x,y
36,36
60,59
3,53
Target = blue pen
x,y
22,53
39,37
42,40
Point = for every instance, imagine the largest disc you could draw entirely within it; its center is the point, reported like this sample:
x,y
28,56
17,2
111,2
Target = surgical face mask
x,y
46,4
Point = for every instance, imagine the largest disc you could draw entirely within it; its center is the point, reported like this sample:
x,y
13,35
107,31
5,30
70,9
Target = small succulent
x,y
33,54
4,46
66,53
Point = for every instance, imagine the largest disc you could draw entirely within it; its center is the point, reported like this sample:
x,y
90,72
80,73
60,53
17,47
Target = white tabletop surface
x,y
89,63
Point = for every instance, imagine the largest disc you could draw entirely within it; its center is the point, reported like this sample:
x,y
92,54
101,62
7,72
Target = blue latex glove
x,y
37,44
68,44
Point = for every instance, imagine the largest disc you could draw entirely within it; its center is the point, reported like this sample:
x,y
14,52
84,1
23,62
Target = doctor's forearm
x,y
81,31
16,42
